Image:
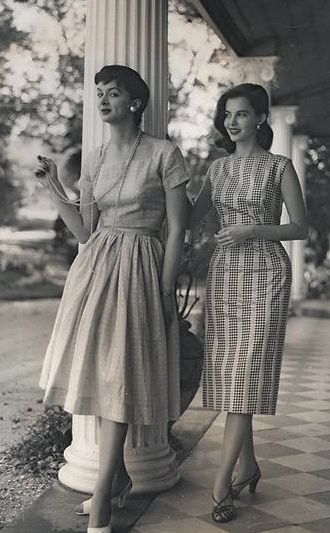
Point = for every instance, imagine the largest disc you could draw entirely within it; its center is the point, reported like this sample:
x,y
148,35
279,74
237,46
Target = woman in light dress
x,y
114,348
249,279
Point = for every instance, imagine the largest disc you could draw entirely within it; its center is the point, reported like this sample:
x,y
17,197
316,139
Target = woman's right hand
x,y
46,171
168,308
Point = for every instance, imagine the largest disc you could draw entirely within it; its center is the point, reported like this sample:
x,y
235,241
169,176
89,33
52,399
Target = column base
x,y
148,457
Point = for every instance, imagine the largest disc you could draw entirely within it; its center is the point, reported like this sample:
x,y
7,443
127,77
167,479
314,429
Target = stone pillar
x,y
299,145
132,33
282,121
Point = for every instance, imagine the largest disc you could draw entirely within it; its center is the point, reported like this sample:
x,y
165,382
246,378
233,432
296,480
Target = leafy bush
x,y
318,281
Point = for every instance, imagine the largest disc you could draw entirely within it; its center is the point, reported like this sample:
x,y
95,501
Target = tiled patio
x,y
293,449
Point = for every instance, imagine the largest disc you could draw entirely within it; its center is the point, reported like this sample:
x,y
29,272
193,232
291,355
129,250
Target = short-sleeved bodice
x,y
247,190
156,167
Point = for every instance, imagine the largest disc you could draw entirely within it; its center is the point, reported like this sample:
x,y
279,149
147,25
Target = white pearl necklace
x,y
123,178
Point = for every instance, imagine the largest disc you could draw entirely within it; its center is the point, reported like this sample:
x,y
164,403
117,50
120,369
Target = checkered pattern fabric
x,y
293,450
248,289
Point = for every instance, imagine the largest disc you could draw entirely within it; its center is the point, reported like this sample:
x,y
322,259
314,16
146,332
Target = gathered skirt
x,y
111,353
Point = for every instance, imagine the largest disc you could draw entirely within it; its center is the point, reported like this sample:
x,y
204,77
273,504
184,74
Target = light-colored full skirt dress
x,y
110,353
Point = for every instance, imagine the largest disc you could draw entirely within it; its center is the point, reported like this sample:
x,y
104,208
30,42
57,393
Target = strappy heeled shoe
x,y
118,500
252,482
104,529
223,512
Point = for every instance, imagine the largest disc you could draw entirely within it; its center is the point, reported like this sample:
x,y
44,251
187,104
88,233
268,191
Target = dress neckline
x,y
234,157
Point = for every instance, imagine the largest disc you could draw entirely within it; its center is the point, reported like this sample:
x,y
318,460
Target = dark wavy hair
x,y
130,80
259,101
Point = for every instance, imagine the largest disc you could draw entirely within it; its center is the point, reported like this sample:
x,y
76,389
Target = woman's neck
x,y
247,148
123,135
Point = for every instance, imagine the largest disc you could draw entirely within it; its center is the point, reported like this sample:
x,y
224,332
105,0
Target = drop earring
x,y
132,108
258,126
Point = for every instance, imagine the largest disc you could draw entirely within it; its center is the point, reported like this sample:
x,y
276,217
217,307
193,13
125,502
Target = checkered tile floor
x,y
293,450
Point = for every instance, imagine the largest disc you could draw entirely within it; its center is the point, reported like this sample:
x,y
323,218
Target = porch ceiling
x,y
298,31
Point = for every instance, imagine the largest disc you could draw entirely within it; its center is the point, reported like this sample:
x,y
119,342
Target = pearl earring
x,y
132,108
258,126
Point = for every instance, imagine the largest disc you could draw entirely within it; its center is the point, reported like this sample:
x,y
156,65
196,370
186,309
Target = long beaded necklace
x,y
122,181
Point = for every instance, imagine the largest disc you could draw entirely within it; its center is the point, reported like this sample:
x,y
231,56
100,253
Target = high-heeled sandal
x,y
117,500
104,529
252,482
223,512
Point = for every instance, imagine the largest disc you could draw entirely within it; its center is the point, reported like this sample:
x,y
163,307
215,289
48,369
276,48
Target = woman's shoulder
x,y
279,158
160,146
216,164
280,162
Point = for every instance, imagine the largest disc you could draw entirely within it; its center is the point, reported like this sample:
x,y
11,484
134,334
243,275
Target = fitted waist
x,y
258,246
140,231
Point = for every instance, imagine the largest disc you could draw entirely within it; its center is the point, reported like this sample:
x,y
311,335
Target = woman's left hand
x,y
232,235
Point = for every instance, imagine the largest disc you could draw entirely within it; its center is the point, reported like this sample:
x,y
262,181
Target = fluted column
x,y
282,120
299,145
132,33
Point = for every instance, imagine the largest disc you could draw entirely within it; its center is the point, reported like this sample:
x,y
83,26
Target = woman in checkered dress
x,y
249,279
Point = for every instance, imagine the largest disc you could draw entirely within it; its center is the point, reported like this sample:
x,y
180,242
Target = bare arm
x,y
294,202
78,223
202,205
176,205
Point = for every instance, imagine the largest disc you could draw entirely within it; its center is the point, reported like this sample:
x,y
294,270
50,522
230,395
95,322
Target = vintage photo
x,y
164,266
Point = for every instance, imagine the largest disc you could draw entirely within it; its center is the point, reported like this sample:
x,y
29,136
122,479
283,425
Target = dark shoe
x,y
119,500
223,512
252,482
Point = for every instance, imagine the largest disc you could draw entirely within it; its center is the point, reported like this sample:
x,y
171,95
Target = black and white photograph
x,y
164,266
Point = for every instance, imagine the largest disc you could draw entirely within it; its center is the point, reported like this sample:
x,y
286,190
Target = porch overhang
x,y
296,32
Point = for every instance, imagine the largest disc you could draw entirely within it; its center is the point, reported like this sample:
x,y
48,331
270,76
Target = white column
x,y
283,119
299,146
132,33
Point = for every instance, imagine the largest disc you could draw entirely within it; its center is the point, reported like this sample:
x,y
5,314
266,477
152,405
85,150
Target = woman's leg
x,y
236,429
247,461
111,449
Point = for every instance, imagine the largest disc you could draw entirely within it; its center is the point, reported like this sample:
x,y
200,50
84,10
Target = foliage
x,y
48,92
9,37
34,269
196,79
42,449
318,281
41,81
318,200
10,196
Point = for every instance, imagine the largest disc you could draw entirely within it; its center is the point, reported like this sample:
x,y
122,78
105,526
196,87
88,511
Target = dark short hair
x,y
259,101
130,80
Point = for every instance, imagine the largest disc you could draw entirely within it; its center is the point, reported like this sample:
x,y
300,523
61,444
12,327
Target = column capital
x,y
261,70
284,113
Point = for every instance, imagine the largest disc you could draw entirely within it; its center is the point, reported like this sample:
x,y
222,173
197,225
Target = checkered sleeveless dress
x,y
248,289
